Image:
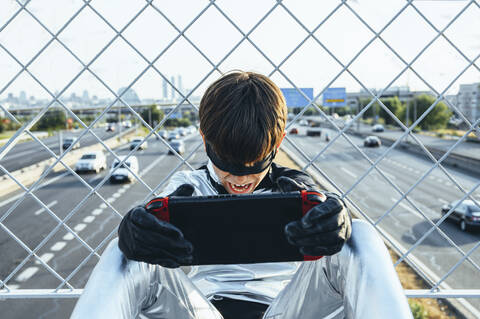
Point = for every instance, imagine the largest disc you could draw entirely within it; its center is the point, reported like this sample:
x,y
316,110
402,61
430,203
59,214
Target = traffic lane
x,y
404,222
67,261
31,223
31,152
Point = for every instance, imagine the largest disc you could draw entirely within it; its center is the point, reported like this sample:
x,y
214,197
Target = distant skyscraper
x,y
179,83
172,93
85,96
165,89
23,97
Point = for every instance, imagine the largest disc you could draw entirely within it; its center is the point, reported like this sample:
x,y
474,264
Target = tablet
x,y
237,229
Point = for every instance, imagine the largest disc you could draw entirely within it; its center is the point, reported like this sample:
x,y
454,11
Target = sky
x,y
277,36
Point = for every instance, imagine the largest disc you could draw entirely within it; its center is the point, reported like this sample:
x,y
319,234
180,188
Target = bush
x,y
418,311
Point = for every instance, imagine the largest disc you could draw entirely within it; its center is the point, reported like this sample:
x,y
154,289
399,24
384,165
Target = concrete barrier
x,y
28,175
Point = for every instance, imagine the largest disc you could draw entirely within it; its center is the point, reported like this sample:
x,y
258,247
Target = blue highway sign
x,y
335,97
296,99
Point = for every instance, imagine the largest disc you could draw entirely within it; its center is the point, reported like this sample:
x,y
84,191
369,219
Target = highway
x,y
344,165
30,152
94,220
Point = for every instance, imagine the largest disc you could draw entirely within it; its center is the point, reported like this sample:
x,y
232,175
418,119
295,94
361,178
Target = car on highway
x,y
173,135
372,141
466,214
122,174
110,127
163,134
67,141
294,131
127,124
303,123
91,162
314,131
138,141
378,128
182,132
178,146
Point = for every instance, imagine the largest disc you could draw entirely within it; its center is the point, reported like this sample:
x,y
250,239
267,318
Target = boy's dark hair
x,y
242,117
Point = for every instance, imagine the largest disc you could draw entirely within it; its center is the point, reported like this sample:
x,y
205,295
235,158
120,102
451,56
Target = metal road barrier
x,y
408,214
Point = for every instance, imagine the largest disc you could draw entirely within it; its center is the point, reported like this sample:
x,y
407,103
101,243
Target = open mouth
x,y
240,189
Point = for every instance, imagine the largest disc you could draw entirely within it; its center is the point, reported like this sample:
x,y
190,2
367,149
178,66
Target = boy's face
x,y
239,184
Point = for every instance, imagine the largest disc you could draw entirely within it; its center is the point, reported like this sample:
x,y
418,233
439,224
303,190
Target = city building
x,y
402,92
172,92
468,101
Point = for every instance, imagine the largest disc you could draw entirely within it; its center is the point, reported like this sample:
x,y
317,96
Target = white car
x,y
137,140
92,161
122,174
378,128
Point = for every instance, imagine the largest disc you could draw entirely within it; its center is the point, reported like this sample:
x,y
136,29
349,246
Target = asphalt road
x,y
27,153
374,195
94,220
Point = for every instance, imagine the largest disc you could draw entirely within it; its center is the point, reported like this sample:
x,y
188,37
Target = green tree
x,y
2,126
437,118
151,113
373,109
394,105
51,120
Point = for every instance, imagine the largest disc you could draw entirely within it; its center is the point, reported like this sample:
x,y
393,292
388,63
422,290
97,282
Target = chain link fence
x,y
410,221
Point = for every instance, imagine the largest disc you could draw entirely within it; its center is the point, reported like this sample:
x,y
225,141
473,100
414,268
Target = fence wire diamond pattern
x,y
311,160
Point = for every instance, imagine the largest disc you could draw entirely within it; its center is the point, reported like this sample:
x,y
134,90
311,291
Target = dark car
x,y
314,132
110,128
294,131
372,141
69,141
467,214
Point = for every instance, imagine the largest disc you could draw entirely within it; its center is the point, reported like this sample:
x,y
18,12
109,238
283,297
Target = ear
x,y
283,136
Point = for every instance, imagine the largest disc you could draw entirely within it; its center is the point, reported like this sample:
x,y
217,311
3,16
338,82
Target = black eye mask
x,y
240,170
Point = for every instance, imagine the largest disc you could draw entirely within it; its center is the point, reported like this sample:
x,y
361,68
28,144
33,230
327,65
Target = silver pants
x,y
358,282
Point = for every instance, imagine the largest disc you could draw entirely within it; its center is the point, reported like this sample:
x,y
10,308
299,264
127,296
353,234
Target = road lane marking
x,y
41,210
116,195
13,198
111,199
58,246
97,211
68,236
121,190
126,186
79,227
441,200
407,207
26,274
348,172
45,258
89,219
13,286
103,205
390,175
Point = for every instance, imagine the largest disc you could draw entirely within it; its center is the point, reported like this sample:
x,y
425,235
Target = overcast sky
x,y
309,66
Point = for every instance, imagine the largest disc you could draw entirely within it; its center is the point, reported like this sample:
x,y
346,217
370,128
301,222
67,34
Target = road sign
x,y
335,97
296,99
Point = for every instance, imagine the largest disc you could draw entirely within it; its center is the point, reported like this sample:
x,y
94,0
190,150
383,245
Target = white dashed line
x,y
121,190
390,175
441,200
407,207
79,227
126,186
41,210
116,195
45,258
103,205
13,286
97,211
89,219
348,172
448,184
26,274
111,199
439,180
68,236
58,246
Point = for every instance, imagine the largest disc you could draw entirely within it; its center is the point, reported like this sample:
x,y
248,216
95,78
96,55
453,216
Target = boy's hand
x,y
324,229
143,237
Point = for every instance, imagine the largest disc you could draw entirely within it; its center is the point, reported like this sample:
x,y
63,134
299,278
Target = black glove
x,y
143,237
324,228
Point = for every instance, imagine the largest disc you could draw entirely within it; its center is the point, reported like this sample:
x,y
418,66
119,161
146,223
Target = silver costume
x,y
357,282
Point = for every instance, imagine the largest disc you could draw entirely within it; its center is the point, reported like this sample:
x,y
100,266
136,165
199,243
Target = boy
x,y
242,122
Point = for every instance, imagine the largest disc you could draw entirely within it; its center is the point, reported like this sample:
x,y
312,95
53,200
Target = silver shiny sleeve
x,y
125,289
357,283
